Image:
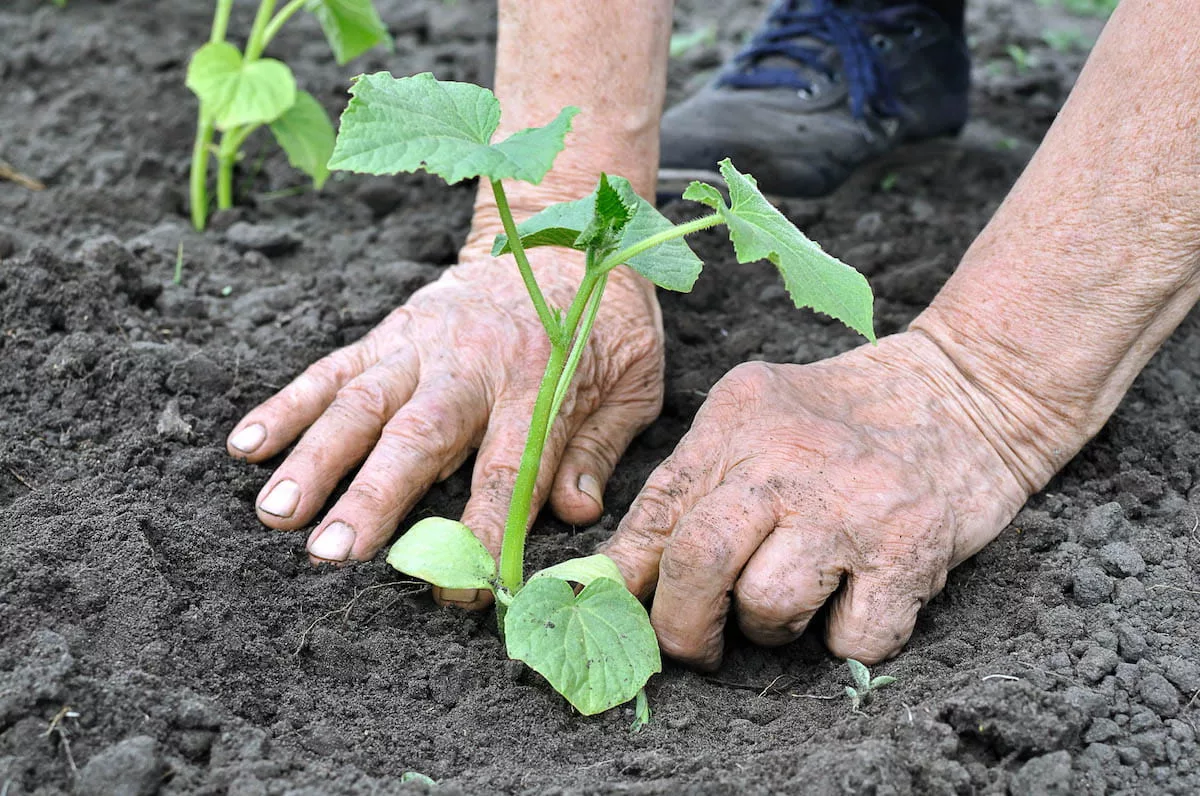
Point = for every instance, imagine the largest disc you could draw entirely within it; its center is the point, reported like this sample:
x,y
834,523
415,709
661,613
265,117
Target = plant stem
x,y
629,252
577,348
231,144
256,42
553,328
220,20
198,179
516,526
280,19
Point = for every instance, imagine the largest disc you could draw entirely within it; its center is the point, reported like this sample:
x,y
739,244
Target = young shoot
x,y
241,91
574,623
865,686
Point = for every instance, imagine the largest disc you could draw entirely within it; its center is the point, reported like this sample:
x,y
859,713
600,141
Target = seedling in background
x,y
864,688
574,623
240,91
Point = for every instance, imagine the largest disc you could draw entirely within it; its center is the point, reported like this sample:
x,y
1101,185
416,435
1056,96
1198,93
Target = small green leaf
x,y
445,553
610,214
351,26
417,776
860,673
855,698
596,648
641,713
812,277
705,194
305,133
882,681
234,93
583,570
412,123
672,266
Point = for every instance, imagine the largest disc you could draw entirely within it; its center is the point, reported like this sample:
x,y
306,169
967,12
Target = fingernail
x,y
249,438
333,543
464,596
282,500
589,486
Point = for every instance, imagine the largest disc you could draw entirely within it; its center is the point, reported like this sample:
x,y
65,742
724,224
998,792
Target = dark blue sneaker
x,y
822,88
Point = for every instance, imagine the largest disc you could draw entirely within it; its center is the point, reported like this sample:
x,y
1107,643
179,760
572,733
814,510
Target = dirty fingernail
x,y
249,438
589,486
464,596
282,500
333,543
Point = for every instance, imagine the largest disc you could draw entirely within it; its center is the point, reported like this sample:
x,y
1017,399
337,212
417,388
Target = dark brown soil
x,y
199,653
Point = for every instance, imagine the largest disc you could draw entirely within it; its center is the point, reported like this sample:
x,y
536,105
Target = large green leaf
x,y
234,93
412,123
760,232
445,553
672,265
306,135
596,648
351,26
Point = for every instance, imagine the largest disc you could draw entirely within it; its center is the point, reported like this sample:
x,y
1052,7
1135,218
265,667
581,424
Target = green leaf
x,y
882,681
417,776
305,133
610,214
445,553
672,266
860,673
351,26
705,194
812,277
596,648
412,123
641,713
583,570
234,93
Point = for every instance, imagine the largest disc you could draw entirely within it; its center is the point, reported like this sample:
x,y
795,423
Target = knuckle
x,y
606,450
371,495
693,560
763,604
741,387
495,475
428,432
365,398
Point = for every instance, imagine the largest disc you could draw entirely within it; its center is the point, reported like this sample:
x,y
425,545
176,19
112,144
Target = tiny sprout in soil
x,y
240,91
865,686
575,623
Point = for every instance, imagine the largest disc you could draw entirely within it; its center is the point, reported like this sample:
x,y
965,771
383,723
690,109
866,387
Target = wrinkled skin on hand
x,y
456,369
862,479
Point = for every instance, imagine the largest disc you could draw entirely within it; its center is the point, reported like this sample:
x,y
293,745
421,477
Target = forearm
x,y
1094,258
607,58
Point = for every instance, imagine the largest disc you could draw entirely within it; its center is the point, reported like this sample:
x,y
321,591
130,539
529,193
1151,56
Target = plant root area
x,y
154,638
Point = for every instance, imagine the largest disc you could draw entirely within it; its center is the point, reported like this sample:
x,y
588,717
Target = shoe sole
x,y
672,182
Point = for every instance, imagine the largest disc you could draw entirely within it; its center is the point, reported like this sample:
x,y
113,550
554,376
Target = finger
x,y
693,470
709,548
787,580
873,618
272,425
416,445
592,454
336,443
493,480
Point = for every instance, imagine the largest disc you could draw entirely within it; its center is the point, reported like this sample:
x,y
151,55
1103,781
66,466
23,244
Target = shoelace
x,y
846,30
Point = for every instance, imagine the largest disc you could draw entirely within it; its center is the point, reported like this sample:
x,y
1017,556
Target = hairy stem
x,y
256,42
577,348
629,252
279,20
516,526
553,328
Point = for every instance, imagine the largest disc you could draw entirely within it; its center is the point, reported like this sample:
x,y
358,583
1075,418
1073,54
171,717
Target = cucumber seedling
x,y
595,646
240,91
